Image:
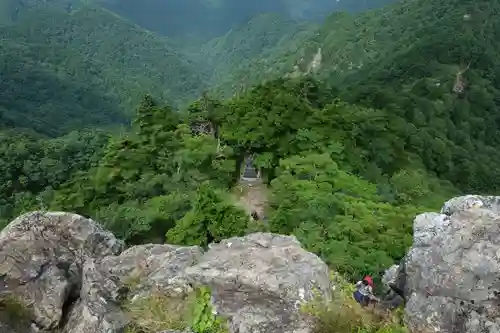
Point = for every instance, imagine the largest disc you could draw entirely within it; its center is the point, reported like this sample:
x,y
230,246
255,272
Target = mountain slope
x,y
206,19
433,64
442,75
262,34
108,62
14,10
38,95
365,41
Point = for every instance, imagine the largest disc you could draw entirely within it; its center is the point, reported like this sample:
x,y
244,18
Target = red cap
x,y
369,280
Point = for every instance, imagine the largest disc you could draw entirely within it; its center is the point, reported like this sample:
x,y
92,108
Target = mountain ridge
x,y
95,47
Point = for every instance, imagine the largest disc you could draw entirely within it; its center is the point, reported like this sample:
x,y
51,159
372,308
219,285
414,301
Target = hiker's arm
x,y
371,295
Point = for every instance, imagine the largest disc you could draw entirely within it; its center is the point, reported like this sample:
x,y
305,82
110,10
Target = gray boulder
x,y
41,256
466,202
393,297
140,271
390,276
72,276
259,281
452,271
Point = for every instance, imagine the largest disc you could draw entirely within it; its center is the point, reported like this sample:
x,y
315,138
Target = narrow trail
x,y
251,194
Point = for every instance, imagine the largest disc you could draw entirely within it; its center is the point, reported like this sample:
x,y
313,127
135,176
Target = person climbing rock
x,y
364,291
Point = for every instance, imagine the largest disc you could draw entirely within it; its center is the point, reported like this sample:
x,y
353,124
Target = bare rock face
x,y
41,256
73,277
259,281
390,275
466,202
452,272
139,271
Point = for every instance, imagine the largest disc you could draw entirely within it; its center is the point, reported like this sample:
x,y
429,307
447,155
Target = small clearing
x,y
252,196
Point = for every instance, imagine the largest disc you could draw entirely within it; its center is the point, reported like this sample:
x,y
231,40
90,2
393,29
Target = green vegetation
x,y
204,19
203,318
40,96
343,315
32,168
263,34
400,116
159,312
14,313
86,68
347,167
339,176
407,60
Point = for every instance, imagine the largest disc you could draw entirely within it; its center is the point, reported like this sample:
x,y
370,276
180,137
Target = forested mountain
x,y
204,19
196,19
162,182
374,39
430,63
399,113
441,74
87,67
39,95
256,38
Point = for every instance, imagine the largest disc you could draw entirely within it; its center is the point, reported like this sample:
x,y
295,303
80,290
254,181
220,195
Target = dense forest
x,y
161,182
86,68
193,19
399,115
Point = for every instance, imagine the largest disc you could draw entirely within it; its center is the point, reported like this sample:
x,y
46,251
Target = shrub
x,y
156,313
159,312
204,319
14,313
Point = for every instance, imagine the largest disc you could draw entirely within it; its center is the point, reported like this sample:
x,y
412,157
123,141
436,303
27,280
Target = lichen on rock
x,y
41,259
76,278
451,273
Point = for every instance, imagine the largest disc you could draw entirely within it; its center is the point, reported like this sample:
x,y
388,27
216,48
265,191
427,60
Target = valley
x,y
358,120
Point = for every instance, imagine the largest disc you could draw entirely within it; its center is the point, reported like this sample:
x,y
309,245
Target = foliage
x,y
88,67
14,314
204,19
147,181
44,97
349,154
348,161
14,309
338,177
255,39
157,313
32,168
212,219
203,319
338,215
404,60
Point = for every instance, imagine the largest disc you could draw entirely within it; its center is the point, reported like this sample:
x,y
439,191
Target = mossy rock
x,y
14,314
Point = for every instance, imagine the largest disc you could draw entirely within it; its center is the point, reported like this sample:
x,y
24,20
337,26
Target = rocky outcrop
x,y
451,275
259,281
74,276
467,202
41,256
138,271
390,276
